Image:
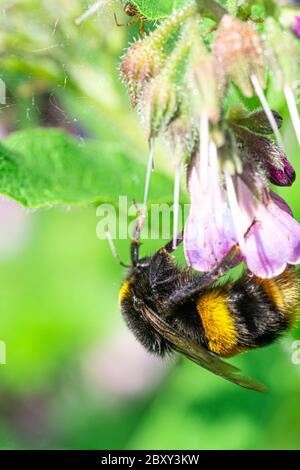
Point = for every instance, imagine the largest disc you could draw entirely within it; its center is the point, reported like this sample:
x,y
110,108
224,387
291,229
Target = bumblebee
x,y
131,10
169,308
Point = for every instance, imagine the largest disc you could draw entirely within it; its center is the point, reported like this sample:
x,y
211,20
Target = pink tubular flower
x,y
268,235
272,239
209,232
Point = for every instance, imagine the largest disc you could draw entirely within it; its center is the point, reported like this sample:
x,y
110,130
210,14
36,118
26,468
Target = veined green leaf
x,y
155,10
44,167
159,9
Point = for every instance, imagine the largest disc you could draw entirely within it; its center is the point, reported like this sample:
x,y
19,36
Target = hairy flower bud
x,y
181,139
258,122
239,52
205,88
281,53
160,100
159,105
145,58
142,62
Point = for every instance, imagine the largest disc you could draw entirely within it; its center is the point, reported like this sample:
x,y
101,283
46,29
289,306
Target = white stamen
x,y
148,174
235,210
176,203
292,105
90,11
259,91
202,166
214,180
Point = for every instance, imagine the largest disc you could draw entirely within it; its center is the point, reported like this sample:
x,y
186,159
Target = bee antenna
x,y
114,249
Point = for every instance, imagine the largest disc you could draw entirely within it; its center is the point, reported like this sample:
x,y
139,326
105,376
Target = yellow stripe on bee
x,y
284,291
218,323
124,291
273,292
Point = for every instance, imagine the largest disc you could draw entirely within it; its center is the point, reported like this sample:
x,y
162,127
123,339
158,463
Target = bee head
x,y
134,293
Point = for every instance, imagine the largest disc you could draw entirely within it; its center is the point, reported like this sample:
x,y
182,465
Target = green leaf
x,y
44,167
159,9
163,8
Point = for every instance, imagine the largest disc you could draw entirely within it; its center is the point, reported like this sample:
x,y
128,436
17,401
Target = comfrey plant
x,y
191,79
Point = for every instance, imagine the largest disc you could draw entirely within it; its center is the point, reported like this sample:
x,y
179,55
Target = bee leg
x,y
135,251
169,247
200,283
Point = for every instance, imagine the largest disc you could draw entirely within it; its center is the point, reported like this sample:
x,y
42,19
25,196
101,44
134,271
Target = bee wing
x,y
199,354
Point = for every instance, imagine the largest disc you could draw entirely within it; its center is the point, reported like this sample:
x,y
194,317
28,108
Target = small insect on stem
x,y
131,10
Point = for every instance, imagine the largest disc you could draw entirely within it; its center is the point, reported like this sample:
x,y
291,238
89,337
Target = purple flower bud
x,y
264,151
284,176
296,28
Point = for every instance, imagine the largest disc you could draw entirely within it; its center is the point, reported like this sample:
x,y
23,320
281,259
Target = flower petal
x,y
273,241
209,232
281,203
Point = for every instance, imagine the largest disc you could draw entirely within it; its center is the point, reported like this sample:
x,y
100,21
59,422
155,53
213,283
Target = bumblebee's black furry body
x,y
169,308
155,283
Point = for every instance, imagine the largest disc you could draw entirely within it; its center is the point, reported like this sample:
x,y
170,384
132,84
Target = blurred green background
x,y
75,377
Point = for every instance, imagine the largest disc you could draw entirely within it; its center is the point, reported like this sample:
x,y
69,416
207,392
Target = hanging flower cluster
x,y
190,80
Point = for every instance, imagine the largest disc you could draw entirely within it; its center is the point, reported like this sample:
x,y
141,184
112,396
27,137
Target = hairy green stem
x,y
181,49
232,6
168,26
211,9
244,10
